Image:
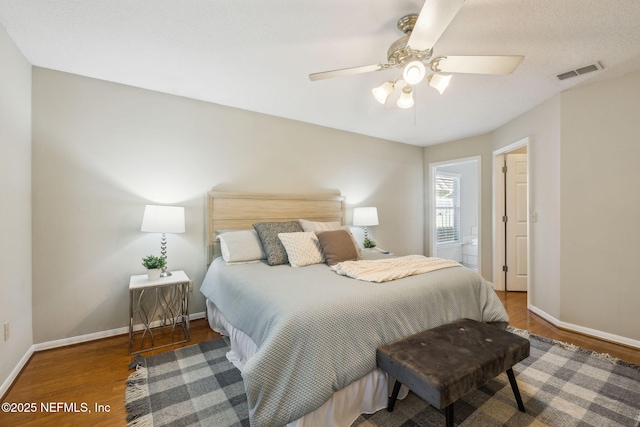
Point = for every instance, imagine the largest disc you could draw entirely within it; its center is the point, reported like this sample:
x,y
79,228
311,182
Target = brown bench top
x,y
444,363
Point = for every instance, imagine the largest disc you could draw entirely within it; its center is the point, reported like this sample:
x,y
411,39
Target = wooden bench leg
x,y
448,413
394,396
514,387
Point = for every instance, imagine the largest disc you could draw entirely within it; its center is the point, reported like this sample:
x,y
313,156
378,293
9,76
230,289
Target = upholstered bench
x,y
443,364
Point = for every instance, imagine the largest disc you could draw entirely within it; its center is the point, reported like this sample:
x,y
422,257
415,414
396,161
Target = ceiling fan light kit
x,y
439,82
406,97
382,92
414,72
412,53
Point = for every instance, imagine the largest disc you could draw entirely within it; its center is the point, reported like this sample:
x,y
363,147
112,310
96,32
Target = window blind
x,y
447,208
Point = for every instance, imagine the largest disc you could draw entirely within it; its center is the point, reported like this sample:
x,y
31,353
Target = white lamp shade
x,y
413,72
365,216
163,219
439,82
382,92
406,97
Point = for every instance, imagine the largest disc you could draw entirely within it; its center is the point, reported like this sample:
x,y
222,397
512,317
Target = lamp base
x,y
165,273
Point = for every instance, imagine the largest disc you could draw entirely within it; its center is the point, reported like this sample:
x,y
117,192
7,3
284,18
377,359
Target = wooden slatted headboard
x,y
239,211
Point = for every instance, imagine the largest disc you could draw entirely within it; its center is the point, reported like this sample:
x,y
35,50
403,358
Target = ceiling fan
x,y
413,53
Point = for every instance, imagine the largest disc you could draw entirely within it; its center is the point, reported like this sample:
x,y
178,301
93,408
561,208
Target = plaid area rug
x,y
193,385
561,385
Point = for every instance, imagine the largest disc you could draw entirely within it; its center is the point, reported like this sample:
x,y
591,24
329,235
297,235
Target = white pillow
x,y
303,248
242,246
319,226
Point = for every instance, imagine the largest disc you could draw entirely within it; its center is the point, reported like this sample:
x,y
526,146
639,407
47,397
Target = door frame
x,y
432,205
499,255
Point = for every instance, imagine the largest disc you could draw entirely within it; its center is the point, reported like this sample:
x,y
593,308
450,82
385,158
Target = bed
x,y
303,336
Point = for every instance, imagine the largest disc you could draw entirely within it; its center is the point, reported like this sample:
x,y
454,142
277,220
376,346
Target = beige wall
x,y
15,208
601,206
101,151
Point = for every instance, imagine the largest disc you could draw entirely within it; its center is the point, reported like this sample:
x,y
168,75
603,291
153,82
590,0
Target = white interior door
x,y
516,226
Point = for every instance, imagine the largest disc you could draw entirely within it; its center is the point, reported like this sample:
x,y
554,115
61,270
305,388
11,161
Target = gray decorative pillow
x,y
268,233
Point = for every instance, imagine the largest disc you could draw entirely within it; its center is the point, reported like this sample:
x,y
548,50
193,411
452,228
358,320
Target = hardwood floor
x,y
520,317
95,372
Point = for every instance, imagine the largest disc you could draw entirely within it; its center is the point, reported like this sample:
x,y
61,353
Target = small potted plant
x,y
368,243
154,266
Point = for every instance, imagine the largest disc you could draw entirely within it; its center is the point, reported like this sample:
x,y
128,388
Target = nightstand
x,y
161,304
375,253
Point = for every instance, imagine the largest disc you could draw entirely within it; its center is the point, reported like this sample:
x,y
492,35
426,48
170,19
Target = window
x,y
447,208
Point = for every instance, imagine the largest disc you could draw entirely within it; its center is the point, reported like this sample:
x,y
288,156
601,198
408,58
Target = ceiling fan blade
x,y
434,18
505,64
344,72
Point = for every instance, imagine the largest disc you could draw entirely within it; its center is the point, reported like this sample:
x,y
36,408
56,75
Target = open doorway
x,y
511,217
455,210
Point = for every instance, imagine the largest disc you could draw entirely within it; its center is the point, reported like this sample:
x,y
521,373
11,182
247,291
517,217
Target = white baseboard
x,y
99,335
584,330
14,374
549,318
69,341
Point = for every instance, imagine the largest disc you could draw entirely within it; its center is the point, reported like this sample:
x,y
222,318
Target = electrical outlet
x,y
6,331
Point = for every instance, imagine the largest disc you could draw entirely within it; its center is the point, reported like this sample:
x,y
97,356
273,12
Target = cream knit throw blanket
x,y
383,270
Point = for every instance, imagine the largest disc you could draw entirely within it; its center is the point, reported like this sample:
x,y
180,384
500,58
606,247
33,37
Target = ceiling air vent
x,y
580,71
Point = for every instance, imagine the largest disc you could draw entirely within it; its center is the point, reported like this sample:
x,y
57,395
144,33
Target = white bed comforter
x,y
317,332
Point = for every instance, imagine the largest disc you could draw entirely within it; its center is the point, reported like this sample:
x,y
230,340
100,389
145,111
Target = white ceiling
x,y
257,54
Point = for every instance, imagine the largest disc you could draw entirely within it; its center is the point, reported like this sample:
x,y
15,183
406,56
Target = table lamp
x,y
163,219
365,217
